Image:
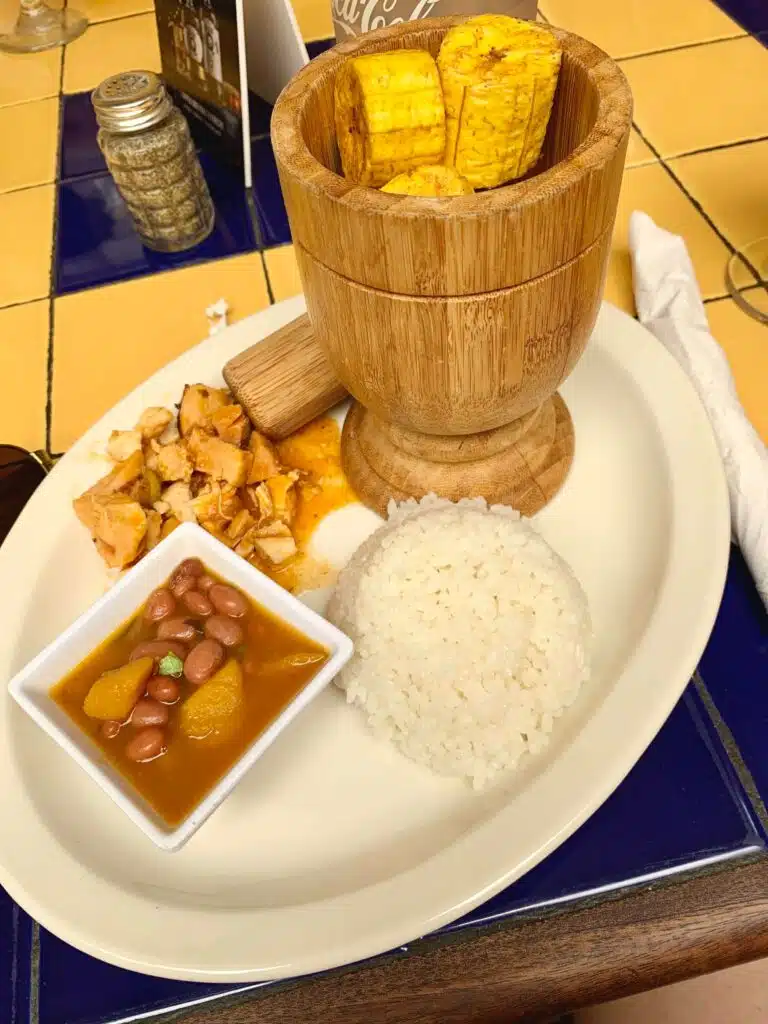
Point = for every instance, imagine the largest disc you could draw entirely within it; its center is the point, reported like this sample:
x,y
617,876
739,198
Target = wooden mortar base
x,y
523,464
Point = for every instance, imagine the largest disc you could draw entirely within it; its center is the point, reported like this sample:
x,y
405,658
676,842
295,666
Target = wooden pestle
x,y
285,380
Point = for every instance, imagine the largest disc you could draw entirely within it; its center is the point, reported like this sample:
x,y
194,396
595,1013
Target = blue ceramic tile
x,y
260,113
752,15
273,220
735,670
679,806
97,242
319,46
80,153
15,952
76,989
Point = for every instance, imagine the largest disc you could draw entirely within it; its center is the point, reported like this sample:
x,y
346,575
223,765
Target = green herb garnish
x,y
171,665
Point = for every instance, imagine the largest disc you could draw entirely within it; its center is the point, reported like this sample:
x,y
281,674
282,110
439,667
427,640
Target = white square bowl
x,y
31,687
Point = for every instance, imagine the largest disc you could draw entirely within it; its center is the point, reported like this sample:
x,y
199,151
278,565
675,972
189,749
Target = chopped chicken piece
x,y
154,421
162,507
86,510
169,525
122,444
151,454
174,462
179,501
217,504
258,501
265,460
216,531
246,545
283,494
231,424
277,548
198,403
171,433
240,525
272,529
120,526
145,489
219,459
154,529
123,474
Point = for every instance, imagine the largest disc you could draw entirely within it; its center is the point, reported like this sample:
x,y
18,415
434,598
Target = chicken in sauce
x,y
207,465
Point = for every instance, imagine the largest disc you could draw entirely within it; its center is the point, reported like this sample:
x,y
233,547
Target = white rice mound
x,y
471,635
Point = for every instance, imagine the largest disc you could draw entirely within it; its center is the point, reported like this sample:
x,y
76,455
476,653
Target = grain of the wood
x,y
284,381
526,473
461,448
534,969
461,364
459,316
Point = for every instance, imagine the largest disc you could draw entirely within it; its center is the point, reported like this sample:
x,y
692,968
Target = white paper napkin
x,y
669,305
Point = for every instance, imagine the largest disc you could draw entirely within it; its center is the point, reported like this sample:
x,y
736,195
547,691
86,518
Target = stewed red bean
x,y
205,650
149,712
228,601
160,605
181,585
189,567
146,744
164,689
225,630
203,660
198,603
184,576
177,629
158,649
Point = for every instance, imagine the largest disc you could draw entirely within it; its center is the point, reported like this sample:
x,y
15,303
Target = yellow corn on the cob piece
x,y
389,115
499,76
429,181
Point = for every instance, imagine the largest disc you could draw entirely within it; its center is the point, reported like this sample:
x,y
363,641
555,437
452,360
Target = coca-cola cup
x,y
355,17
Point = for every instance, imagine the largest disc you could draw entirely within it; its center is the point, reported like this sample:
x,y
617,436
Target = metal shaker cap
x,y
131,101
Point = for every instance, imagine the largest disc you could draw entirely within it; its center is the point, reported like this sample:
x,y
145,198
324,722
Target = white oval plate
x,y
334,847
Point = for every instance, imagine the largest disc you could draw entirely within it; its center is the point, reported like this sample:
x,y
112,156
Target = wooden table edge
x,y
538,967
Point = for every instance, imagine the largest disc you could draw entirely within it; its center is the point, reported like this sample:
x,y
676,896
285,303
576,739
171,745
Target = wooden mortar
x,y
453,321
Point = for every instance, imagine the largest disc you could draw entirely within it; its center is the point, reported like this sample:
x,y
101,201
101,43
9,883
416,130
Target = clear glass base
x,y
751,296
40,28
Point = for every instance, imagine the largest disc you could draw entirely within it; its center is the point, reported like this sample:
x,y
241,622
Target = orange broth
x,y
176,782
315,450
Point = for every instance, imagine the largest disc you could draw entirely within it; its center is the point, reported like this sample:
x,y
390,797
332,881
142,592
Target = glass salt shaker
x,y
149,152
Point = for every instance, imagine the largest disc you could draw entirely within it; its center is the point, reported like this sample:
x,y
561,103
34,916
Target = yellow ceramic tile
x,y
640,26
111,47
732,186
314,18
757,297
652,190
29,76
745,341
637,151
34,162
701,97
108,340
27,240
283,272
23,363
105,10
